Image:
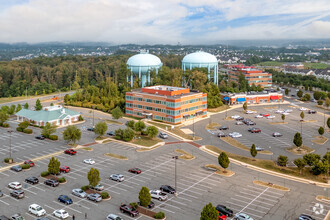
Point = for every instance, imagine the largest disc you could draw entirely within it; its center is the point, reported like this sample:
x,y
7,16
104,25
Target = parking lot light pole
x,y
10,131
175,158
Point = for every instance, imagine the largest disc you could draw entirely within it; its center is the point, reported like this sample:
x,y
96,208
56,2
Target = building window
x,y
204,98
129,97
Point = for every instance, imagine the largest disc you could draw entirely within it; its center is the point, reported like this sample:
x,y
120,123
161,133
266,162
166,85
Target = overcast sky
x,y
162,21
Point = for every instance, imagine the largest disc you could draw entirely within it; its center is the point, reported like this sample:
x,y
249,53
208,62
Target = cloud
x,y
169,21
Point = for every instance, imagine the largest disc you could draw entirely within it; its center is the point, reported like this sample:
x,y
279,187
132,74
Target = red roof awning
x,y
273,97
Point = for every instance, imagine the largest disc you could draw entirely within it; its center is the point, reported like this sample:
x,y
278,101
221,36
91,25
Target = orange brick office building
x,y
252,97
166,103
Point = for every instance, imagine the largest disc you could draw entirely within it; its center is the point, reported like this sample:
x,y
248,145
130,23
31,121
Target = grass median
x,y
301,150
235,143
271,185
145,141
271,165
320,140
116,156
218,109
184,155
212,126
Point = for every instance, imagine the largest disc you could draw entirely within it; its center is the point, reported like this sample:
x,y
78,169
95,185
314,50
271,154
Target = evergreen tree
x,y
223,160
209,213
93,177
54,166
144,196
38,105
26,105
253,151
297,140
321,131
48,130
300,163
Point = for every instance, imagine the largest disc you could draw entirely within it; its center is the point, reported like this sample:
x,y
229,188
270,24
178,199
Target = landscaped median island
x,y
270,165
323,198
278,123
212,126
184,155
218,109
87,148
233,142
144,149
116,156
220,170
271,185
300,150
320,140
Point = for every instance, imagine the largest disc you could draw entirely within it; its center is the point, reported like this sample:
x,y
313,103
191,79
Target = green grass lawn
x,y
316,65
145,141
271,63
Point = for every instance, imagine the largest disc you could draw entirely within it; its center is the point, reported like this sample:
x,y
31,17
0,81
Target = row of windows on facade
x,y
169,112
168,119
168,104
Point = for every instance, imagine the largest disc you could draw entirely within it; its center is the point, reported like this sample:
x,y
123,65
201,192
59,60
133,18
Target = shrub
x,y
53,137
144,132
6,160
19,129
42,126
84,188
134,205
80,118
24,124
44,173
320,102
35,126
61,180
282,160
159,215
5,125
104,195
27,131
25,166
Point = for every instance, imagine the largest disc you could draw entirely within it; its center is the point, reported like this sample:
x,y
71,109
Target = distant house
x,y
56,115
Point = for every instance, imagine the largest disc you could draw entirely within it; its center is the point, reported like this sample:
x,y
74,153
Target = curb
x,y
130,144
297,179
172,134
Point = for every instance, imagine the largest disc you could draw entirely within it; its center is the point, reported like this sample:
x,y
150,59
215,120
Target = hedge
x,y
84,188
53,137
19,129
6,160
44,173
25,166
159,215
5,125
61,180
104,195
27,131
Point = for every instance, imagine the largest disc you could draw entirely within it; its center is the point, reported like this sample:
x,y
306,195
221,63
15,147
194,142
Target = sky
x,y
162,21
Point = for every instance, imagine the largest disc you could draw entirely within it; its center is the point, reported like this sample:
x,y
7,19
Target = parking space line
x,y
328,206
263,195
189,195
184,199
4,202
178,202
264,203
67,207
4,173
143,177
269,191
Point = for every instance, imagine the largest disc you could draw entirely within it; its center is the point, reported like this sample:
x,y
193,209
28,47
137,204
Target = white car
x,y
117,177
279,111
271,117
157,194
15,185
235,116
37,210
79,192
259,116
89,161
239,123
288,110
285,113
250,112
61,213
113,217
235,135
303,109
242,216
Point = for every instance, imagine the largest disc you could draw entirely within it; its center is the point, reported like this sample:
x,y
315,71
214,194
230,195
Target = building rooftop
x,y
165,88
168,92
44,115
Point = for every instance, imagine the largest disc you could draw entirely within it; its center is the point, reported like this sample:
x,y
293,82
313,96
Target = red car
x,y
65,169
255,130
30,162
70,151
265,115
135,170
222,216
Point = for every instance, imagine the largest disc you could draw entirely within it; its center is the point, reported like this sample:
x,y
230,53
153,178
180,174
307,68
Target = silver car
x,y
94,197
242,216
163,135
117,177
79,193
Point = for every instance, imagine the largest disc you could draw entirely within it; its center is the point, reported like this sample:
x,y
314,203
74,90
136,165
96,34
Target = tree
x,y
100,128
66,99
300,93
93,177
128,134
26,105
72,133
245,106
144,196
54,166
317,95
319,167
327,102
307,97
48,130
253,151
11,110
38,105
117,113
283,117
18,108
139,126
302,115
286,91
311,158
297,140
130,124
3,117
223,160
119,134
51,104
328,122
321,131
282,160
320,102
24,124
326,157
300,163
152,131
209,213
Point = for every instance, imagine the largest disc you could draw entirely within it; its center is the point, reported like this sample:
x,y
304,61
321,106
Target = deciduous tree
x,y
72,133
93,177
48,130
117,113
54,166
209,213
297,140
300,163
100,128
38,105
152,131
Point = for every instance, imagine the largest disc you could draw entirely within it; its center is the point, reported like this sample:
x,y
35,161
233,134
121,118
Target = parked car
x,y
242,216
32,180
51,182
311,111
270,117
251,123
259,116
285,113
113,217
250,112
37,210
254,130
157,194
235,116
65,169
168,189
235,135
279,111
65,199
150,206
18,194
221,134
111,133
135,170
61,213
163,135
1,193
16,168
2,217
266,115
15,185
277,134
239,119
117,177
17,216
224,128
98,187
239,123
222,216
303,109
90,129
79,192
288,110
305,217
30,162
89,161
70,151
245,121
259,148
224,210
128,209
40,137
94,197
